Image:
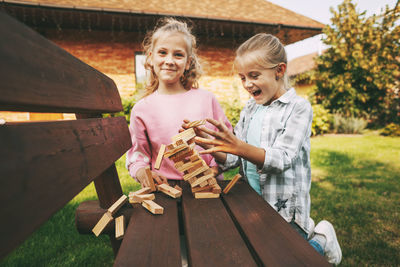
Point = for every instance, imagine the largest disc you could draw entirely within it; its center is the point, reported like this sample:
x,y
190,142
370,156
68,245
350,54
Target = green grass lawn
x,y
356,186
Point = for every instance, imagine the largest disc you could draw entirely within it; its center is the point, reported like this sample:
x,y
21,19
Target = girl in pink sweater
x,y
171,97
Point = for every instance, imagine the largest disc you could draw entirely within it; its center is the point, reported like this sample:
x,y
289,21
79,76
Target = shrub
x,y
348,125
232,110
321,120
391,129
127,104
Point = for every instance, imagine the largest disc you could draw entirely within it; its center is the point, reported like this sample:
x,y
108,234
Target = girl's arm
x,y
139,155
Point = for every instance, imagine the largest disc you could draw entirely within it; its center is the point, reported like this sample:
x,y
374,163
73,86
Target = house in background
x,y
108,35
298,68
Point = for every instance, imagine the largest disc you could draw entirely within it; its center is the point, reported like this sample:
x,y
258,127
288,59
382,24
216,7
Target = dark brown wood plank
x,y
152,240
44,165
36,75
211,236
273,239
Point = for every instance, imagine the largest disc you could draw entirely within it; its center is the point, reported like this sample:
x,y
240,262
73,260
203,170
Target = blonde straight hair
x,y
270,53
169,25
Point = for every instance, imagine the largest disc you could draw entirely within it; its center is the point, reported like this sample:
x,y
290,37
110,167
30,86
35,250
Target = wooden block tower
x,y
188,161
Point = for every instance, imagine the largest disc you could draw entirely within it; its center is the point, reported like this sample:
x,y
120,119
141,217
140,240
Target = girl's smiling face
x,y
261,82
170,59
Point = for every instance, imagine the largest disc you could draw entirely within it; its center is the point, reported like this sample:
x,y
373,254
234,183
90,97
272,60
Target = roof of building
x,y
255,11
301,64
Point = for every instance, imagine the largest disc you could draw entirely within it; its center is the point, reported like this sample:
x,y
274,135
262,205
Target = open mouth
x,y
255,93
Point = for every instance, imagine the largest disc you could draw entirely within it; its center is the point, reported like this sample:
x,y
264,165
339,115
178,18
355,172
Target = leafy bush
x,y
321,120
359,72
391,129
127,104
232,110
348,125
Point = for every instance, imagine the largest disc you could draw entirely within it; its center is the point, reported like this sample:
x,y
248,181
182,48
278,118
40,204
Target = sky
x,y
319,11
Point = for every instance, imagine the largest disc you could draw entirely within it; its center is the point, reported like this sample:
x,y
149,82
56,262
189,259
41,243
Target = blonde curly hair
x,y
170,25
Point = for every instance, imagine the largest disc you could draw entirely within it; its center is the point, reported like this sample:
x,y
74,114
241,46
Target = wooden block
x,y
141,191
179,142
200,189
185,135
177,187
231,183
168,190
216,189
212,181
179,164
200,195
202,179
133,199
150,179
196,165
203,184
196,123
118,204
102,223
189,165
159,157
192,180
175,150
170,147
119,227
195,157
193,174
153,207
182,155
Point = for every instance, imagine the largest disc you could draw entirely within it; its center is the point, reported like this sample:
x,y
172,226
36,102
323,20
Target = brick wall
x,y
113,54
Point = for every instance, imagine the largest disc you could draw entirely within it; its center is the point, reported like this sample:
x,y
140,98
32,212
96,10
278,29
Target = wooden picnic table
x,y
237,229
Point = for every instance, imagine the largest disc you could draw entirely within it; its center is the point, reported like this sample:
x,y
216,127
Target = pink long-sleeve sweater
x,y
158,117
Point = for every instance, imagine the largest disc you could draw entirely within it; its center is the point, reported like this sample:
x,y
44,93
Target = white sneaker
x,y
311,226
332,250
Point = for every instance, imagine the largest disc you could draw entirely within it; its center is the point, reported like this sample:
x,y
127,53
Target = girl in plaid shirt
x,y
272,141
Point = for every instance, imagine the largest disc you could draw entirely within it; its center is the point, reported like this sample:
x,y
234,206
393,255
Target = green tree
x,y
359,74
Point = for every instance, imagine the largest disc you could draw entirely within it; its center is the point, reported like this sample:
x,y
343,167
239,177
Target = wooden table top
x,y
237,229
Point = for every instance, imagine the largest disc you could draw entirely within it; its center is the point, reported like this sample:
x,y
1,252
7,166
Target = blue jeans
x,y
313,243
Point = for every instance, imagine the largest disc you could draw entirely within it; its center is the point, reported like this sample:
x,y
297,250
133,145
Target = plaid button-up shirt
x,y
285,177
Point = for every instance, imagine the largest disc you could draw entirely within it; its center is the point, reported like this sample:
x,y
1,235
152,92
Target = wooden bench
x,y
45,164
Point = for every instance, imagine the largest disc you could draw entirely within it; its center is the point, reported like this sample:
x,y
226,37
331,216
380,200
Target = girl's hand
x,y
142,177
224,140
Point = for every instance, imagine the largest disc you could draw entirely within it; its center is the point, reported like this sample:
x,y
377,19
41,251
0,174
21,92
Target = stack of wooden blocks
x,y
188,161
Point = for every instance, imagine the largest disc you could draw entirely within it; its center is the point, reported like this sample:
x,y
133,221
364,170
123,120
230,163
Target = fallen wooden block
x,y
150,179
200,195
119,227
118,204
159,157
133,199
168,190
102,223
153,207
231,183
177,187
141,191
